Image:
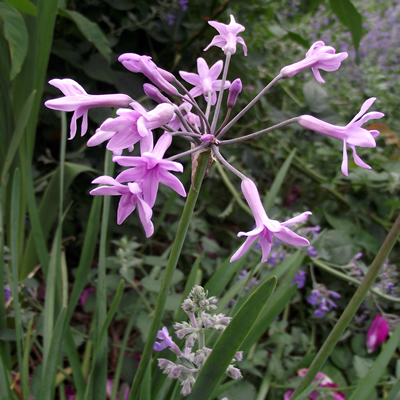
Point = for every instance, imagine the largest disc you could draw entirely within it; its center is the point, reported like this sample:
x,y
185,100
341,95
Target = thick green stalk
x,y
351,309
166,282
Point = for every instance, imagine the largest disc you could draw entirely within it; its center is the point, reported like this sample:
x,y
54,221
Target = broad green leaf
x,y
17,36
349,17
230,341
372,374
91,32
23,6
278,181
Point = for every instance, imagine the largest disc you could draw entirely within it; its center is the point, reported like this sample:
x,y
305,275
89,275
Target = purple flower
x,y
311,252
318,57
183,4
84,296
136,63
131,127
234,92
300,278
7,292
150,169
205,81
131,196
352,134
320,297
377,333
76,99
266,228
153,93
227,38
166,341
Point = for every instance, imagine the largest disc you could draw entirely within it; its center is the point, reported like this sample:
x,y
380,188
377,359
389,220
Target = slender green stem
x,y
351,308
166,282
140,294
345,277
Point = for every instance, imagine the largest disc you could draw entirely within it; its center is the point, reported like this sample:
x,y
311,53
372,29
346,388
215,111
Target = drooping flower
x,y
76,99
160,77
205,81
227,38
267,228
377,333
321,297
131,127
166,341
131,197
318,57
150,169
352,134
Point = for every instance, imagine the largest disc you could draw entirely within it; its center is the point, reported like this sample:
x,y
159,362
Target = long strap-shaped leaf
x,y
230,341
367,384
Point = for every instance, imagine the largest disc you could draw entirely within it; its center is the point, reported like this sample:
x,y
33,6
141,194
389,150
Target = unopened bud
x,y
234,90
153,93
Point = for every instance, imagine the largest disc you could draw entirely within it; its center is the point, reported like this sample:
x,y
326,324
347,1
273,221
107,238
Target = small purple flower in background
x,y
84,296
318,57
321,297
183,4
76,99
300,278
352,134
110,383
7,292
267,228
166,341
205,81
227,38
377,333
311,252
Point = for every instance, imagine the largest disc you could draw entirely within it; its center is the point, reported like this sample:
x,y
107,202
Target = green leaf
x,y
375,371
278,181
304,395
394,393
8,335
23,6
349,17
230,341
91,32
5,392
17,37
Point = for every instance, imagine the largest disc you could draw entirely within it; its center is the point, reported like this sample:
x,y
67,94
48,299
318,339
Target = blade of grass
x,y
25,360
5,392
230,341
394,393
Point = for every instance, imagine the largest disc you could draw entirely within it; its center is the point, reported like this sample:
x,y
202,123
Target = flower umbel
x,y
352,134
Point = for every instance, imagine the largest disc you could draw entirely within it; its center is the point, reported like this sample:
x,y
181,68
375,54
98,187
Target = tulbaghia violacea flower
x,y
352,134
318,57
205,81
377,333
327,382
160,77
131,197
131,127
150,169
267,228
234,91
76,99
227,38
166,341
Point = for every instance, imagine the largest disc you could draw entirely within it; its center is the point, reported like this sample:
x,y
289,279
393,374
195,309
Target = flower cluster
x,y
321,297
178,113
189,362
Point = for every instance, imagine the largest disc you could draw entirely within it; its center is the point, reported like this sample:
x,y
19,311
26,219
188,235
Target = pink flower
x,y
318,57
150,169
227,38
266,228
205,81
377,333
327,382
352,134
131,127
84,296
131,197
76,99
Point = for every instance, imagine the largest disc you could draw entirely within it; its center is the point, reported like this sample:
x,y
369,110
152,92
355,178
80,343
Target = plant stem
x,y
166,282
351,309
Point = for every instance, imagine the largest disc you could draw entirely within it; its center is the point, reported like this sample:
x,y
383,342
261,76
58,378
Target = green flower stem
x,y
166,282
347,278
351,308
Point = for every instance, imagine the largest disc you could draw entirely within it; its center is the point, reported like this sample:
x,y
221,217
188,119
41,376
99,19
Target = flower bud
x,y
234,91
377,333
153,93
